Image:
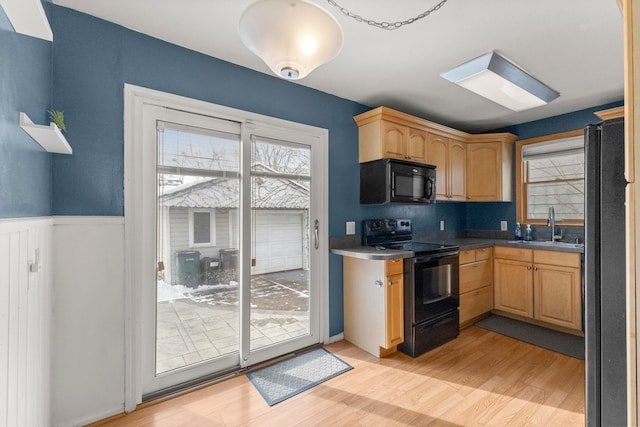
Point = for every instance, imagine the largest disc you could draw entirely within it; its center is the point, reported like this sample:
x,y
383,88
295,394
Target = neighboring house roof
x,y
269,193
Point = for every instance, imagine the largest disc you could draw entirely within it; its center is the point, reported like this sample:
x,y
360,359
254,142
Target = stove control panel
x,y
377,231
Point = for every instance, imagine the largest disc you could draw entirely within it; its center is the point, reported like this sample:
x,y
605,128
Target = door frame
x,y
135,99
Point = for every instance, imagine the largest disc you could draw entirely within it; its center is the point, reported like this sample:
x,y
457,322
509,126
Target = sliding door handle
x,y
316,232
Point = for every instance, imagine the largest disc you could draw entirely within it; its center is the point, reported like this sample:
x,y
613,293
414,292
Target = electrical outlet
x,y
503,226
442,225
351,227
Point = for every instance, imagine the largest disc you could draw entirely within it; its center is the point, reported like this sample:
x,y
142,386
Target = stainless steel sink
x,y
548,244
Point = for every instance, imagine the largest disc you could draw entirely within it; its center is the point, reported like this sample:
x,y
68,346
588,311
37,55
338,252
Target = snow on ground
x,y
167,292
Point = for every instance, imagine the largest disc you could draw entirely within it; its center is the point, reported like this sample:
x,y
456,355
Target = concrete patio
x,y
203,324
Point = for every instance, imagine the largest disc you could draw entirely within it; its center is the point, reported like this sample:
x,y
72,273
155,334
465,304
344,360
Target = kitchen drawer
x,y
475,275
475,303
483,253
472,255
467,256
565,259
393,266
515,254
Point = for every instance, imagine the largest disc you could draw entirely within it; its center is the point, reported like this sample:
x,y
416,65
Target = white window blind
x,y
555,148
554,176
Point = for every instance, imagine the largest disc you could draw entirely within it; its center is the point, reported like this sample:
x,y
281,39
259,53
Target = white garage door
x,y
278,241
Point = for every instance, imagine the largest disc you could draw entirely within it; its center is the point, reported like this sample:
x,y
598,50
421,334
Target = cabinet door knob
x,y
528,267
390,283
535,268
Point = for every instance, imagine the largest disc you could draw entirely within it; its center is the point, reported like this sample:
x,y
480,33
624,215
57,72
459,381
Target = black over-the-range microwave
x,y
397,181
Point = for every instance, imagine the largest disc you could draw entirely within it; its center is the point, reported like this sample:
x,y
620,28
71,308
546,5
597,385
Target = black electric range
x,y
431,284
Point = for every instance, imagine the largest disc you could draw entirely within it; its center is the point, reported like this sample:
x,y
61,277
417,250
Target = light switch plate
x,y
503,226
442,225
351,227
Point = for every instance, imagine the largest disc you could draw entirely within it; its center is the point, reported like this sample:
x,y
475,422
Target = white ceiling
x,y
574,46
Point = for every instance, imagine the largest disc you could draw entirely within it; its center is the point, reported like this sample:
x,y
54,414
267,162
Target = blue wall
x,y
487,216
562,123
25,85
93,59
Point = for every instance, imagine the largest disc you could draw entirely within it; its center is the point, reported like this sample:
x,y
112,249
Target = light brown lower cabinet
x,y
542,285
476,284
513,280
374,304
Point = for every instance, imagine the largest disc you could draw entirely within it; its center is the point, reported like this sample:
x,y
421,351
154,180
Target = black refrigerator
x,y
605,269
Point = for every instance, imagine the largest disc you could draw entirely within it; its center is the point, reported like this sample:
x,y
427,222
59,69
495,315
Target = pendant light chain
x,y
386,25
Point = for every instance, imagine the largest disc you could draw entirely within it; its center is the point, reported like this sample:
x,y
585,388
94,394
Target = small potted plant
x,y
57,117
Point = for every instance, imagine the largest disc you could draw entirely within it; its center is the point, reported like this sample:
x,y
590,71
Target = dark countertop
x,y
473,243
366,252
370,252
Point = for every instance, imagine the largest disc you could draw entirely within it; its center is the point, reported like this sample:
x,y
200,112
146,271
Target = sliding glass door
x,y
281,239
231,226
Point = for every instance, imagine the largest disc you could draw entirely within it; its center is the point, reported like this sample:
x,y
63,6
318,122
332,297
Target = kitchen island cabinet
x,y
541,286
476,284
374,304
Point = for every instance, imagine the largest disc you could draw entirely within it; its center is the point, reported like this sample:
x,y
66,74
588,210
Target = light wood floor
x,y
481,378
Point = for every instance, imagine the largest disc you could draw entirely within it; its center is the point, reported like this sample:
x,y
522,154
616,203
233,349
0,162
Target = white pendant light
x,y
293,37
495,78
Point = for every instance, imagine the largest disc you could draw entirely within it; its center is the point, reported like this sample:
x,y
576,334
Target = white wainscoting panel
x,y
88,319
26,274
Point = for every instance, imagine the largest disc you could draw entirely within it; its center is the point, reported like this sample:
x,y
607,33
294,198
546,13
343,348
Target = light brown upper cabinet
x,y
384,132
385,138
394,139
489,158
450,158
417,146
468,167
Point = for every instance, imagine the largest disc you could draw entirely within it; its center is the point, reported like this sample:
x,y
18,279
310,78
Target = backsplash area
x,y
568,235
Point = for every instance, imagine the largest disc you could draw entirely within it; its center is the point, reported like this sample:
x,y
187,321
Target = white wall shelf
x,y
28,17
49,137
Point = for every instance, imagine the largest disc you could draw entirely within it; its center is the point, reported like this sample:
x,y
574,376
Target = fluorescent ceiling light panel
x,y
502,82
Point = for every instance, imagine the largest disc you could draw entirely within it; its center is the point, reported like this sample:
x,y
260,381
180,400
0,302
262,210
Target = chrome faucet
x,y
551,222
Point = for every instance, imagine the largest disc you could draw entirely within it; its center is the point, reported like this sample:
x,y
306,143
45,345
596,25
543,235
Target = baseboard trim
x,y
335,338
103,418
